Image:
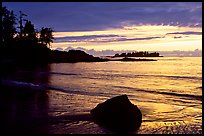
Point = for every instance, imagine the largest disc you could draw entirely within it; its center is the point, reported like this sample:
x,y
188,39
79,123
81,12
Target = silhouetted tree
x,y
46,36
129,54
21,23
138,54
29,32
8,26
116,55
123,54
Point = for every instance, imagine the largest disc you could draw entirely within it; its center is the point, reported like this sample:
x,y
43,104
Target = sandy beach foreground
x,y
28,111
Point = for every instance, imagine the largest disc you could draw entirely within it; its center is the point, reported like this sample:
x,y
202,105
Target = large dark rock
x,y
118,114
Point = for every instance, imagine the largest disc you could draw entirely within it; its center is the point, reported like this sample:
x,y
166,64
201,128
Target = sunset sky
x,y
150,26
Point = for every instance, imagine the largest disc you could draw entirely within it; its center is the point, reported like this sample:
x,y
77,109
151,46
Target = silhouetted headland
x,y
73,56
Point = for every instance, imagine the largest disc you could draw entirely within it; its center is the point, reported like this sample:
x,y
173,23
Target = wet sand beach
x,y
32,112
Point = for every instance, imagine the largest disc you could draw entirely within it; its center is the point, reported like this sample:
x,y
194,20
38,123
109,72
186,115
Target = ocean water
x,y
167,91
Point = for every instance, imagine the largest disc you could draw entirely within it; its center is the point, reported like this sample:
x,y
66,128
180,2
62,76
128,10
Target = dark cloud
x,y
187,33
100,38
131,39
83,38
86,16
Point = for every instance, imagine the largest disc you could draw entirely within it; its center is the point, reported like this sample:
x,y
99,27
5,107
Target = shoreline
x,y
30,120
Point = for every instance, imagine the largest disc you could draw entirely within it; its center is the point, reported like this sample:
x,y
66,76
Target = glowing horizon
x,y
135,37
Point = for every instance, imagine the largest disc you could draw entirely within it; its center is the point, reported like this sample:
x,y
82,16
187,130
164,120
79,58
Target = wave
x,y
197,97
56,73
143,76
66,118
118,75
13,83
188,77
199,87
173,77
27,85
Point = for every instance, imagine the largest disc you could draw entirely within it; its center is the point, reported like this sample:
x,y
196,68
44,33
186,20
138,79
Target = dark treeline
x,y
138,54
22,43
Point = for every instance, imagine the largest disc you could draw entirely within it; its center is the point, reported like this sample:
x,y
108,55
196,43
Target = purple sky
x,y
86,16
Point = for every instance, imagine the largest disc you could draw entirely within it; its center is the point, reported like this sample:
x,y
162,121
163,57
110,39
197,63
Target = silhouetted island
x,y
132,59
138,54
